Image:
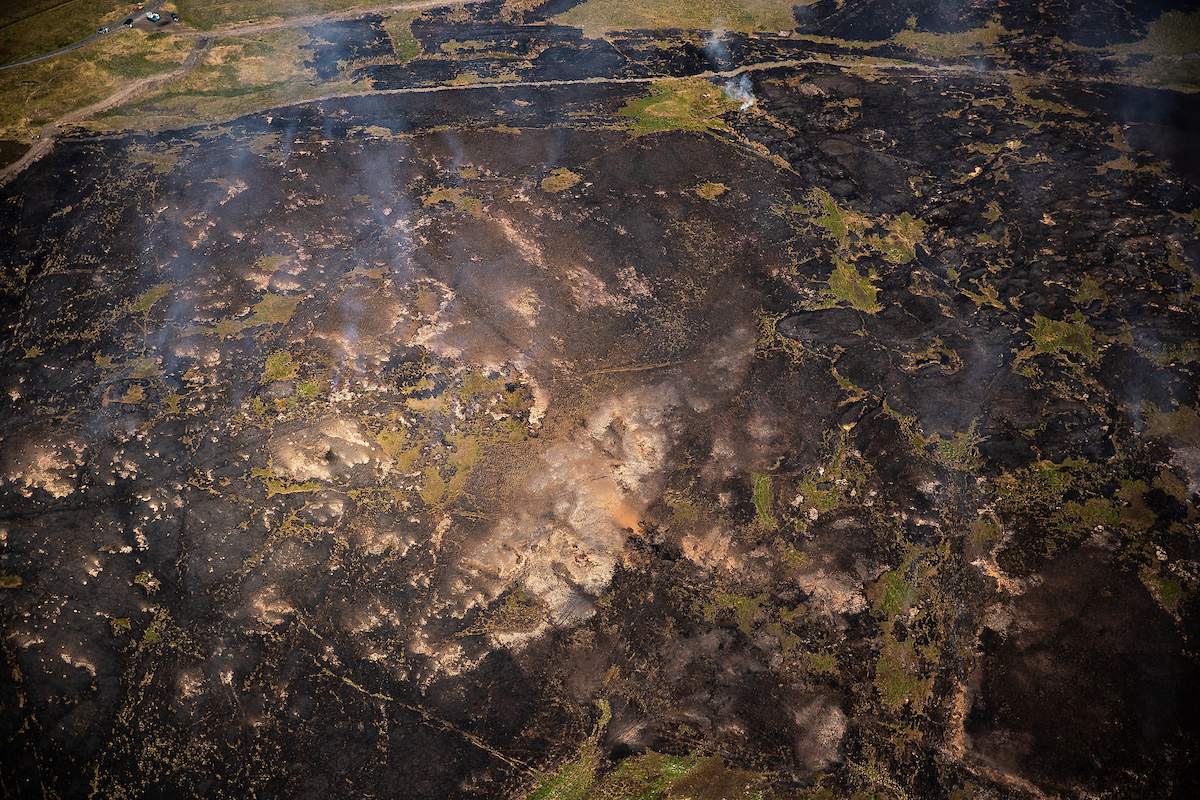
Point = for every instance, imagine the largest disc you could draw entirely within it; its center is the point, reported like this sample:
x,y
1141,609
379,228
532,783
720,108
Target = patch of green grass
x,y
1073,336
693,104
273,309
847,285
598,17
747,610
891,594
152,296
959,453
1166,591
10,581
837,221
279,367
1183,423
950,45
823,663
38,27
277,484
711,191
404,44
457,197
897,678
762,499
560,180
208,14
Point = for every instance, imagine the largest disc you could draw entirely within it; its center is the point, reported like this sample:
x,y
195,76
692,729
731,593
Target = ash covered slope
x,y
456,444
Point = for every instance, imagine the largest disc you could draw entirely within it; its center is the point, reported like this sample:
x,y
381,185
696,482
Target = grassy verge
x,y
35,94
208,14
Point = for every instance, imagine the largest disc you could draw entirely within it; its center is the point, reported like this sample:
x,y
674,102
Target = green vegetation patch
x,y
1069,336
951,45
1166,591
762,499
10,581
560,180
692,104
847,285
711,191
277,484
208,14
152,296
897,676
404,44
1182,423
279,367
457,197
651,776
598,17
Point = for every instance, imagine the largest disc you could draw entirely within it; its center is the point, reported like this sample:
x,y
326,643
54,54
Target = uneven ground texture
x,y
620,438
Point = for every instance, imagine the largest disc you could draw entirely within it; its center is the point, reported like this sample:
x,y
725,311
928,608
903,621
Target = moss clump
x,y
762,499
10,581
710,190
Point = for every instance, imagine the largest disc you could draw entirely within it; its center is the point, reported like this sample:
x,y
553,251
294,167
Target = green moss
x,y
710,190
120,626
10,581
762,499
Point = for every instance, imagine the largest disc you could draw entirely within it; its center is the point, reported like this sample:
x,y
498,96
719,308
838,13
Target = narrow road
x,y
82,42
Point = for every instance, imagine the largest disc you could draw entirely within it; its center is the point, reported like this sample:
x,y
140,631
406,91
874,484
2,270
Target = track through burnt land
x,y
674,414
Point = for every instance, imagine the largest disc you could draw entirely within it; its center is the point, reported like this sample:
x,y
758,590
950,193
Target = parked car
x,y
128,23
174,17
104,29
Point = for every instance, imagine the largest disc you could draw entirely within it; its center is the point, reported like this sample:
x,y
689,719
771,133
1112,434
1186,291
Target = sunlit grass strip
x,y
597,17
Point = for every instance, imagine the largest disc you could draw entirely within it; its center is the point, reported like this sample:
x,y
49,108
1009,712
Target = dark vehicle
x,y
174,17
104,29
128,23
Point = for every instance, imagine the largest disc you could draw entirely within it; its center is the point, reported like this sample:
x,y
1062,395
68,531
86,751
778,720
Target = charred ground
x,y
609,439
